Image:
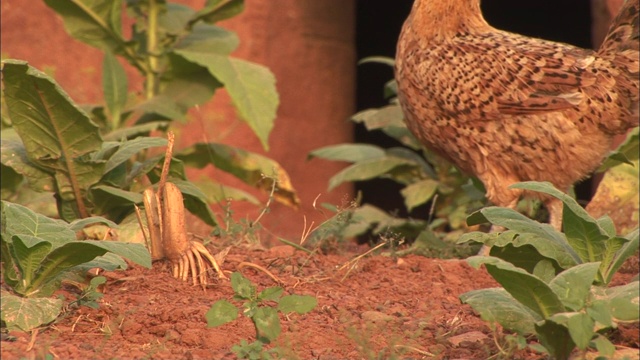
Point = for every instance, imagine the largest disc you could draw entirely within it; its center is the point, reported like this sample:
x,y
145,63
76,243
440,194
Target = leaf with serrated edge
x,y
299,303
221,313
267,324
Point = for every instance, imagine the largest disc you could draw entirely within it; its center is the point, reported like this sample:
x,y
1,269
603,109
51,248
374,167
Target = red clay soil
x,y
383,308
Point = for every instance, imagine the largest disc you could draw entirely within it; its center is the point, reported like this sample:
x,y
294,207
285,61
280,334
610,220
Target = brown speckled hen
x,y
509,108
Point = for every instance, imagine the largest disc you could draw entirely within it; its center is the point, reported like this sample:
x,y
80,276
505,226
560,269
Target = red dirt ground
x,y
384,308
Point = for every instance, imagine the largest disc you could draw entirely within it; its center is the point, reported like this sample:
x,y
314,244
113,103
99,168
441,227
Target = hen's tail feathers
x,y
621,46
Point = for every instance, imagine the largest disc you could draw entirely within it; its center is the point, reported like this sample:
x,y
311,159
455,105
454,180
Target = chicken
x,y
509,108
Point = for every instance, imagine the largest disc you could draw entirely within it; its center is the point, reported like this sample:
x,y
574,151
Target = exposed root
x,y
167,232
195,264
264,270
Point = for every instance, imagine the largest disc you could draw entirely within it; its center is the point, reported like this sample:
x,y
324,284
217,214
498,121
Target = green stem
x,y
152,50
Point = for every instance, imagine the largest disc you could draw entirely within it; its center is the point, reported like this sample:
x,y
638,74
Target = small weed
x,y
262,308
90,295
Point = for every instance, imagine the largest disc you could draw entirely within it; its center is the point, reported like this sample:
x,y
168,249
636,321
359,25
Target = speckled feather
x,y
510,108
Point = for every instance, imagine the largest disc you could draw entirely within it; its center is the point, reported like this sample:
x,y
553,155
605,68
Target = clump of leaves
x,y
555,284
39,252
94,158
262,308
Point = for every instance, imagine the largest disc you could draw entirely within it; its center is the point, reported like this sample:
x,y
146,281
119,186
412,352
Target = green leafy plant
x,y
95,159
90,293
553,283
262,308
39,252
425,176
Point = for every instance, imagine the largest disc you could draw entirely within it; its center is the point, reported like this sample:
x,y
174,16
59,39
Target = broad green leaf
x,y
267,324
556,339
376,119
220,313
80,224
524,256
390,120
625,302
612,247
10,272
607,224
419,193
50,125
521,224
114,87
113,201
524,287
9,182
20,220
348,152
175,18
545,270
188,84
130,148
14,155
253,169
136,130
77,253
403,152
216,10
626,152
368,169
57,261
219,193
271,294
163,106
242,286
28,255
136,253
250,86
572,285
604,346
496,305
57,135
196,201
301,304
209,38
108,262
582,231
599,308
547,247
26,314
97,23
580,327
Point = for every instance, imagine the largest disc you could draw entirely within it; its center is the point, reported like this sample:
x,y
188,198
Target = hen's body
x,y
510,108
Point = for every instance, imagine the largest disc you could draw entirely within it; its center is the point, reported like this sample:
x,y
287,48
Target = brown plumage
x,y
509,108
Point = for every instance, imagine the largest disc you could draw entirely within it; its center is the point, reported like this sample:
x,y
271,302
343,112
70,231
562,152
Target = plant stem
x,y
152,50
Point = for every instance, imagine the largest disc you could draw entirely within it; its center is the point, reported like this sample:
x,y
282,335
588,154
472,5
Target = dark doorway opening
x,y
378,26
